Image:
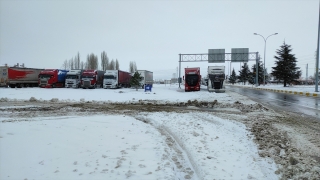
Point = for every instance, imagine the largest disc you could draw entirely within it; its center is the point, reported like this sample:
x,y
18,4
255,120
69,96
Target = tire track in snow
x,y
178,148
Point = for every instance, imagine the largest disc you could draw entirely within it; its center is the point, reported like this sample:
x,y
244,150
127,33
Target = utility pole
x,y
307,75
257,69
317,61
179,79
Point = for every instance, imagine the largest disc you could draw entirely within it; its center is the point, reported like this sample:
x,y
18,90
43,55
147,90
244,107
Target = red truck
x,y
19,77
91,78
51,78
192,79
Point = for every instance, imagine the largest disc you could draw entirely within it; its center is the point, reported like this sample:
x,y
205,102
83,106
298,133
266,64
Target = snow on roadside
x,y
112,147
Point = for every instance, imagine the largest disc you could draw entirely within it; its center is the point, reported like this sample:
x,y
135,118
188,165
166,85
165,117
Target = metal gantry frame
x,y
251,56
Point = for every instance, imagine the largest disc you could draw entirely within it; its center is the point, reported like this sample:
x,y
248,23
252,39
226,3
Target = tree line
x,y
92,62
285,69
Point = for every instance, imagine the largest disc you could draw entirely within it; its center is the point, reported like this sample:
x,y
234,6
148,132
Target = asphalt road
x,y
281,101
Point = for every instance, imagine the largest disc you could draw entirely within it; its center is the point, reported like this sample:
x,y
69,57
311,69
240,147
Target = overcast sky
x,y
42,34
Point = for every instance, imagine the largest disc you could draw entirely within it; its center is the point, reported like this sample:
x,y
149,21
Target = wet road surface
x,y
282,101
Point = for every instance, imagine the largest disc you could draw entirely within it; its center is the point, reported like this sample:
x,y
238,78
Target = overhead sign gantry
x,y
219,56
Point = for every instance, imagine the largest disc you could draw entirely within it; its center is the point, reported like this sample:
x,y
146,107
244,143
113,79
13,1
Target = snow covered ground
x,y
143,145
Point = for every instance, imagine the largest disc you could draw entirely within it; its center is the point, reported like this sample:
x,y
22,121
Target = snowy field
x,y
68,144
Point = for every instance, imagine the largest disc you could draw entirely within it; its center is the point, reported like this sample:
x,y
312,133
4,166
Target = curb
x,y
291,92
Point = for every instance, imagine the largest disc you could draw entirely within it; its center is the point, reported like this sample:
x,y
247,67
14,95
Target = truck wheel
x,y
26,85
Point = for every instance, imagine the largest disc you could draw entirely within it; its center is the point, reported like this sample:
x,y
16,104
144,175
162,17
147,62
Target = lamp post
x,y
264,58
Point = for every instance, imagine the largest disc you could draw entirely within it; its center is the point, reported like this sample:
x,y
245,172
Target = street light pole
x,y
264,56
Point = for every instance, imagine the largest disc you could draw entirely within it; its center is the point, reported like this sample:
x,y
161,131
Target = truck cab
x,y
110,80
91,79
73,78
52,78
192,79
216,76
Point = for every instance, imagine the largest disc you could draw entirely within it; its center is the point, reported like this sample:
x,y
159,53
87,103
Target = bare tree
x,y
82,65
77,61
132,67
112,65
65,64
92,61
71,63
104,61
117,64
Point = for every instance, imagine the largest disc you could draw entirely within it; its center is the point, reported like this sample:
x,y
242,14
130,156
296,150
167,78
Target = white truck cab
x,y
73,78
110,79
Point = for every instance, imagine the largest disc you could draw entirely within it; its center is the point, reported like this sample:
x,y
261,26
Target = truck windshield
x,y
109,77
44,76
84,76
192,79
71,77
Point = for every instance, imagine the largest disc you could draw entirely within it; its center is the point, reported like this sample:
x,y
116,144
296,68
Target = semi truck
x,y
192,79
52,78
147,78
19,77
73,78
216,76
92,79
116,79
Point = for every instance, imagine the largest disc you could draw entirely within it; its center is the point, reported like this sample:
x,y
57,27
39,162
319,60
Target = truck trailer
x,y
92,79
73,78
216,76
19,77
116,79
52,78
192,79
147,78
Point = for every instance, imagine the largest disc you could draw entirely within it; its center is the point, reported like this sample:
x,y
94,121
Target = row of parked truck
x,y
76,78
214,80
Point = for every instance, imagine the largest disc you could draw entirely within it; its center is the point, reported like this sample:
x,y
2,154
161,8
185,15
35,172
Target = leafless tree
x,y
65,64
135,66
112,65
117,64
82,65
104,61
71,63
92,61
77,61
132,67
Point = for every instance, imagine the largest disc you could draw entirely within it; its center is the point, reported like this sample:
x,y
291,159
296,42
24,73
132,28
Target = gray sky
x,y
42,34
